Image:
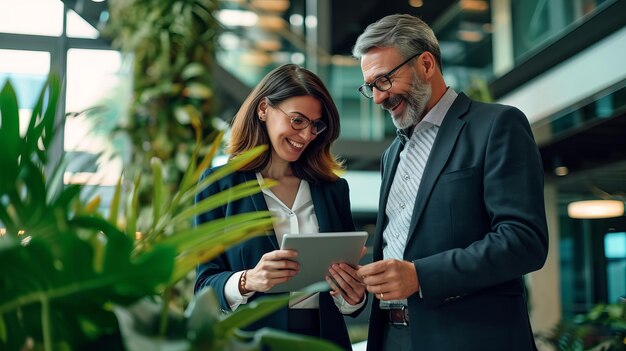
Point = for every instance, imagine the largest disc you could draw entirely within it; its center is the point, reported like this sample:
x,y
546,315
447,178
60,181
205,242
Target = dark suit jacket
x,y
332,208
478,226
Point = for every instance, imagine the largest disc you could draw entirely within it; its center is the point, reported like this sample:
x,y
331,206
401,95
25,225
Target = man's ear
x,y
428,63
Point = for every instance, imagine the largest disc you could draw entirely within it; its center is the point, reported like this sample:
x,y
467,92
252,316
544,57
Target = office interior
x,y
560,61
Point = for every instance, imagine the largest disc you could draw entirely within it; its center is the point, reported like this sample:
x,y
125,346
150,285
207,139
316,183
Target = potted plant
x,y
601,329
72,278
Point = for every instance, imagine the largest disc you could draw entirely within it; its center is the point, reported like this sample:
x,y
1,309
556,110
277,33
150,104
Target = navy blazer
x,y
332,208
477,227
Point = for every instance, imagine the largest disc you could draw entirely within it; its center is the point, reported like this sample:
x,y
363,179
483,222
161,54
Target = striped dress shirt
x,y
406,181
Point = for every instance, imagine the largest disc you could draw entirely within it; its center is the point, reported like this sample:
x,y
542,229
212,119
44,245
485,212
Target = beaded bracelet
x,y
242,283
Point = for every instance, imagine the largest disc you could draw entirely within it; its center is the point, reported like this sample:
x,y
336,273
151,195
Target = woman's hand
x,y
345,282
274,268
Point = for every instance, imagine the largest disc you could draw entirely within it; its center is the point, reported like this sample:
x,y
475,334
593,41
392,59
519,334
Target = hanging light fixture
x,y
594,209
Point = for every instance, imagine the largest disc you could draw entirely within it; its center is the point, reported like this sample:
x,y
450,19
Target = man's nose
x,y
379,96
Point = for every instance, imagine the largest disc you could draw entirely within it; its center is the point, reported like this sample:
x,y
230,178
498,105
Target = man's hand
x,y
390,279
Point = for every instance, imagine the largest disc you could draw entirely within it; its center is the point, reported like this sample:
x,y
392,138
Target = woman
x,y
291,111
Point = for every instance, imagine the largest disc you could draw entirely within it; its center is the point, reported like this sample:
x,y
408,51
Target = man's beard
x,y
416,100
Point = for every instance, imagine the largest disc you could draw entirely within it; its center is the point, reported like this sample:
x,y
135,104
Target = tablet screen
x,y
316,252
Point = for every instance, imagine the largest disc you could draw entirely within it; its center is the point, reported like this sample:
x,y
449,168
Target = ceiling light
x,y
271,23
470,36
232,18
269,44
416,3
561,171
593,209
271,5
474,5
296,20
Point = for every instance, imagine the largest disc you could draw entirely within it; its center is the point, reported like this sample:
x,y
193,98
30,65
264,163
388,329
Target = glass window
x,y
38,17
96,94
615,254
536,22
77,27
27,71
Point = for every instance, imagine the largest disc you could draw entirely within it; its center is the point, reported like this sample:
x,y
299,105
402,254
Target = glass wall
x,y
537,23
38,37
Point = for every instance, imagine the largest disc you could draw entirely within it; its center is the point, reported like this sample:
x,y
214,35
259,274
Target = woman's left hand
x,y
344,281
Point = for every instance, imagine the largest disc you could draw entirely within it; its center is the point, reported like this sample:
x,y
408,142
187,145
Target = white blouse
x,y
300,219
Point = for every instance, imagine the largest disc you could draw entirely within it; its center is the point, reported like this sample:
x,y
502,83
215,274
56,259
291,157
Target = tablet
x,y
316,252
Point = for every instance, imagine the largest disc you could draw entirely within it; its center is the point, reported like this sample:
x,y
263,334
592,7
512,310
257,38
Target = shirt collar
x,y
303,197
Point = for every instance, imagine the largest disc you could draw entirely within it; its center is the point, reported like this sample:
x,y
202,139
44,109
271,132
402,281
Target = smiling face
x,y
287,143
409,95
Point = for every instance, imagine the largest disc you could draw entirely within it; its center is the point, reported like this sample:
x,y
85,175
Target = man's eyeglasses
x,y
300,122
382,83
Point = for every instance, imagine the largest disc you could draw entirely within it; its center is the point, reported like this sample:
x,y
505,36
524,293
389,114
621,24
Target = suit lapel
x,y
444,143
321,208
392,158
260,205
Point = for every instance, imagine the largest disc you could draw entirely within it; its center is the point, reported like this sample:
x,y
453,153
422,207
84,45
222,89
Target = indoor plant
x,y
66,268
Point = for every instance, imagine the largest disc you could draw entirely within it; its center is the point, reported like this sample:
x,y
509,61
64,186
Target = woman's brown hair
x,y
317,161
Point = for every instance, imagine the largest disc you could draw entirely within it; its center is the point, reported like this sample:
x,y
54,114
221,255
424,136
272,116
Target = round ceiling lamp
x,y
594,209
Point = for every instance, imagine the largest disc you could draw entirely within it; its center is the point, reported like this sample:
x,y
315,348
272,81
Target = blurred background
x,y
560,61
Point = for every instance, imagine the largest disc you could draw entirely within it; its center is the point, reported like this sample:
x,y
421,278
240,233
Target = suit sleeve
x,y
214,273
345,213
513,200
345,208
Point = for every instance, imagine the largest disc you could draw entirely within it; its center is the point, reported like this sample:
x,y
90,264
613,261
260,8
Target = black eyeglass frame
x,y
318,125
367,89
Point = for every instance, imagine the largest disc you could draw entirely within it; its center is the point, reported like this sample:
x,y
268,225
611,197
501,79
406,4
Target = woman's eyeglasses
x,y
382,83
300,122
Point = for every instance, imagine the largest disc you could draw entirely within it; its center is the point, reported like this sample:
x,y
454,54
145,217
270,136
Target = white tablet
x,y
316,252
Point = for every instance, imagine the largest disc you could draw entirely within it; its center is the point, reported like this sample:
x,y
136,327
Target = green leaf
x,y
115,203
203,318
198,91
9,137
206,161
263,306
235,193
158,199
272,339
222,230
41,125
231,166
253,311
187,114
193,70
133,208
51,110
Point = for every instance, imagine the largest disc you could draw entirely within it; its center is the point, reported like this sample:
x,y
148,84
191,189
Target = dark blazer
x,y
332,208
478,226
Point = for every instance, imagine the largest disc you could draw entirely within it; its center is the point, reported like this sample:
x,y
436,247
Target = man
x,y
461,216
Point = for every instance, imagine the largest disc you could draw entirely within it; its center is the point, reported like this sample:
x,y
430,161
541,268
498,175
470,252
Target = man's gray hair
x,y
409,34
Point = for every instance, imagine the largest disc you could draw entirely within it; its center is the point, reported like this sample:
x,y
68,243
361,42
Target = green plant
x,y
478,89
172,45
70,276
601,329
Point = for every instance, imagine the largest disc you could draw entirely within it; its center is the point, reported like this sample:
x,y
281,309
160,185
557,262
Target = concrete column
x,y
502,35
544,285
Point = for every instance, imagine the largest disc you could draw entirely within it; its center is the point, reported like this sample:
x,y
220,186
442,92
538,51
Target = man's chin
x,y
401,121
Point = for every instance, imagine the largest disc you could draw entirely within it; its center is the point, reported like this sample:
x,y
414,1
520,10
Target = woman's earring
x,y
262,117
